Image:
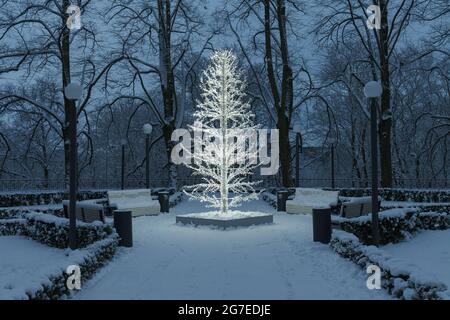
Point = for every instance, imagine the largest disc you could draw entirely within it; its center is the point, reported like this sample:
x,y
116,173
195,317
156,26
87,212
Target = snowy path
x,y
279,261
26,264
427,251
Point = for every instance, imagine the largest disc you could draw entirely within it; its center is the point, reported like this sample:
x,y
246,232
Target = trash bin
x,y
124,227
109,210
322,224
282,196
163,198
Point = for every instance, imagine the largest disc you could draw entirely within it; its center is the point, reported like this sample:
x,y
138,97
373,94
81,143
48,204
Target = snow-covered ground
x,y
428,251
278,261
26,264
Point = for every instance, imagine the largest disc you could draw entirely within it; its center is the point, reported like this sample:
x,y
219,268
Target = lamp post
x,y
123,142
332,142
72,92
298,141
373,91
147,128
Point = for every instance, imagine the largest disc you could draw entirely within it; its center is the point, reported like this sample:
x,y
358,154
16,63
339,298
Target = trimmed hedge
x,y
12,227
396,276
54,231
444,208
98,254
414,195
10,213
395,225
32,199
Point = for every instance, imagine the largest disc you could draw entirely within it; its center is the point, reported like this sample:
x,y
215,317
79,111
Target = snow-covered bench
x,y
357,207
307,198
86,211
138,201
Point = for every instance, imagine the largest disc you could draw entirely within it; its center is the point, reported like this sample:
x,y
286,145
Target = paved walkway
x,y
279,261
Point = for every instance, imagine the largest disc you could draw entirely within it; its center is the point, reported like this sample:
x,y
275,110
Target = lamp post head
x,y
147,128
123,142
373,89
73,91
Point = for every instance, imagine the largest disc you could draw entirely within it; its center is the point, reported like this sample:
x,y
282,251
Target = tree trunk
x,y
283,103
364,157
45,160
167,85
355,169
68,104
385,124
285,150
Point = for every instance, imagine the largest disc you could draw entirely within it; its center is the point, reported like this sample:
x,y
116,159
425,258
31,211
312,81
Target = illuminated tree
x,y
225,139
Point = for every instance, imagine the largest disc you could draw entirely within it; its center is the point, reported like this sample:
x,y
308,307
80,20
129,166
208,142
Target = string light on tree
x,y
225,131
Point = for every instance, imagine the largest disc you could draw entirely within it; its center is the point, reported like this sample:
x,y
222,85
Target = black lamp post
x,y
123,142
148,132
73,92
332,142
298,141
373,91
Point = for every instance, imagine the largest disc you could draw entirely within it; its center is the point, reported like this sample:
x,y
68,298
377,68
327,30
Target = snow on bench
x,y
357,207
86,211
308,198
138,201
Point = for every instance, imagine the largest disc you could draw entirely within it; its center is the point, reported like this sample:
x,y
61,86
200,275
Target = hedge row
x,y
396,276
388,194
98,254
32,199
414,195
395,225
443,208
11,213
54,231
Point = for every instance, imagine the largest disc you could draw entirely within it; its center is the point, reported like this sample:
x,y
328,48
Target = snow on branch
x,y
225,151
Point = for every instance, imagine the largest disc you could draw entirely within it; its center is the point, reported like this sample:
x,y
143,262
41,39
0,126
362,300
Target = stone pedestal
x,y
223,223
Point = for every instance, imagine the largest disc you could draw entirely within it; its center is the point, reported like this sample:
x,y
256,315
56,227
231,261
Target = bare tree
x,y
163,42
264,32
345,20
36,39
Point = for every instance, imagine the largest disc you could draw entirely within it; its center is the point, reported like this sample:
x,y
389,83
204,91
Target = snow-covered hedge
x,y
395,225
54,231
10,213
414,195
12,227
435,207
397,277
90,260
31,199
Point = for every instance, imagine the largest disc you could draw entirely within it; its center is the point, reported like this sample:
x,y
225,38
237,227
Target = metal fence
x,y
35,185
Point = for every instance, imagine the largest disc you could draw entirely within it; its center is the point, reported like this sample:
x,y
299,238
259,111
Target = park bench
x,y
357,207
305,199
138,201
86,211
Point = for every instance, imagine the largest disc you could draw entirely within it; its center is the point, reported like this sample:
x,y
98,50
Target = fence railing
x,y
35,185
